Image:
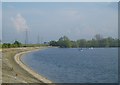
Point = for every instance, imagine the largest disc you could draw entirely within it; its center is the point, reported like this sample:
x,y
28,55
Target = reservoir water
x,y
72,65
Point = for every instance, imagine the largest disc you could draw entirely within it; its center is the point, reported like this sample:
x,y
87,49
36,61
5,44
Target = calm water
x,y
70,65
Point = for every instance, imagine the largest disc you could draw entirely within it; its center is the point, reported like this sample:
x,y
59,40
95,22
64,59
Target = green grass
x,y
22,45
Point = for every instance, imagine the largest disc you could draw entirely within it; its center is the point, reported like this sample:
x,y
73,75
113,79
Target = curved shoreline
x,y
33,73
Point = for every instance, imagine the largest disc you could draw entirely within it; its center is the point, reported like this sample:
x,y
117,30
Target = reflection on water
x,y
73,65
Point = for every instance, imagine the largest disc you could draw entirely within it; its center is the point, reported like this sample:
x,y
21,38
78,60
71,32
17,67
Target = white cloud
x,y
19,23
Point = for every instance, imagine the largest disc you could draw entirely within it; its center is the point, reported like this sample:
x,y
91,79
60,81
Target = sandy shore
x,y
37,76
14,71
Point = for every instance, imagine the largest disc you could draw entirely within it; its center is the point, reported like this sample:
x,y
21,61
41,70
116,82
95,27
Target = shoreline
x,y
17,59
12,72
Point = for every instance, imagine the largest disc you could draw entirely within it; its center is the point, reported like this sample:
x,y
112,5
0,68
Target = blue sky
x,y
51,20
59,0
0,21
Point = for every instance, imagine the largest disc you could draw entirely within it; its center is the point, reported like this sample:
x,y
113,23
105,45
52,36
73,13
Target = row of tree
x,y
19,44
65,42
98,41
9,45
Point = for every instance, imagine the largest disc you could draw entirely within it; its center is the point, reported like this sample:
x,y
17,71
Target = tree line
x,y
65,42
19,44
13,45
97,41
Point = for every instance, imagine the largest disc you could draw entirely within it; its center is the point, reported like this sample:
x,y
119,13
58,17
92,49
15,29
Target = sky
x,y
0,21
59,0
51,20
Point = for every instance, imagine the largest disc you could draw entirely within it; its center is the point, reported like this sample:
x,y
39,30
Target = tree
x,y
6,45
17,44
74,44
81,43
64,42
98,41
53,43
0,41
98,37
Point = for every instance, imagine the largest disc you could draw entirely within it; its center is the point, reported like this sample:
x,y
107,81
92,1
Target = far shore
x,y
14,71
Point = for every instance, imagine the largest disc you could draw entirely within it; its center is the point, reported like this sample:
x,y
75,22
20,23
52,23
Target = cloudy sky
x,y
51,20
